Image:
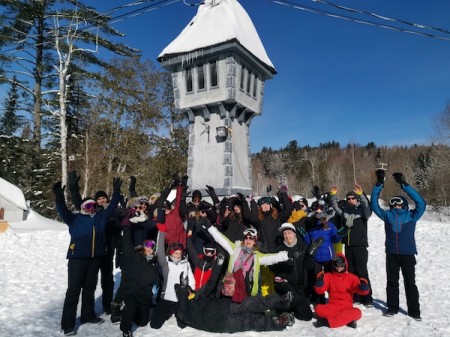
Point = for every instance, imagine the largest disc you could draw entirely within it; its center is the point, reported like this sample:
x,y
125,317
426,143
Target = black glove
x,y
363,284
312,249
184,180
380,177
319,279
400,179
184,281
326,197
316,192
132,186
58,190
176,180
204,222
269,188
212,193
117,183
294,254
73,181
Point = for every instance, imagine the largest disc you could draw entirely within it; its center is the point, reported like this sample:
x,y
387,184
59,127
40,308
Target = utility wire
x,y
352,19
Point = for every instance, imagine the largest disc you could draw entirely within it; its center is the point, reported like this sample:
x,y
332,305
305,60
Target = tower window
x,y
242,81
249,81
255,85
213,73
189,80
201,77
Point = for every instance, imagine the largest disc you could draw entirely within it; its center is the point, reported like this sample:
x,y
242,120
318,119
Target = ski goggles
x,y
209,251
250,232
149,244
90,206
396,201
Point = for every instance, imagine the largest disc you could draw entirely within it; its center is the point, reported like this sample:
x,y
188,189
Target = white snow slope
x,y
33,280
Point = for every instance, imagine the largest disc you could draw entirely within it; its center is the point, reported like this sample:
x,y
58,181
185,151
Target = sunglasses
x,y
351,198
141,206
209,251
339,265
249,237
149,244
90,205
395,201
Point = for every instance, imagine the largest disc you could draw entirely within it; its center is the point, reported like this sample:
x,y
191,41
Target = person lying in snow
x,y
249,315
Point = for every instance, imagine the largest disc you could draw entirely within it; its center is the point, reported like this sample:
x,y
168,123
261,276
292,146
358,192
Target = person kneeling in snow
x,y
249,315
341,286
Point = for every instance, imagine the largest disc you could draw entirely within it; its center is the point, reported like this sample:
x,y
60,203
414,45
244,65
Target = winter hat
x,y
149,244
287,226
197,193
86,201
264,200
100,194
174,247
339,260
154,197
133,202
316,206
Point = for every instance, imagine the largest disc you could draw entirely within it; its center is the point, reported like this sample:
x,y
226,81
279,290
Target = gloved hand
x,y
58,190
269,188
176,180
184,281
312,249
73,181
358,189
117,183
316,192
380,177
184,180
161,227
132,186
294,254
333,190
363,284
400,179
220,259
326,197
204,222
283,189
319,279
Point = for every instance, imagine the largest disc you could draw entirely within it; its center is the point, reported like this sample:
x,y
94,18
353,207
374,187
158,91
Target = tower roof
x,y
216,22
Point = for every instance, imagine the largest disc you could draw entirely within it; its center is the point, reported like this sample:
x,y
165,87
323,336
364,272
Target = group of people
x,y
260,263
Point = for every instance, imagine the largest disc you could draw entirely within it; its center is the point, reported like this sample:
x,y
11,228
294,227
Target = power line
x,y
352,19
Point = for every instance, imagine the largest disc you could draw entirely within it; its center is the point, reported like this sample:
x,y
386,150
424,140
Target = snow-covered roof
x,y
216,22
12,194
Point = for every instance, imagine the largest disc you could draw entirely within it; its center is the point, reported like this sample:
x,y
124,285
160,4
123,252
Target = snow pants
x,y
407,264
336,315
136,311
163,311
82,278
357,259
107,280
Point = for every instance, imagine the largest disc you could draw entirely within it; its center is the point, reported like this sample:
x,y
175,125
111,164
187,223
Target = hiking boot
x,y
96,320
389,313
352,324
70,332
127,334
416,317
116,314
281,321
321,322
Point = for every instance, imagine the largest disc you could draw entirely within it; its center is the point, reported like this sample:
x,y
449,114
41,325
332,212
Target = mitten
x,y
363,284
204,222
319,279
283,189
184,180
117,183
184,281
73,181
161,227
380,177
58,190
400,179
176,180
269,188
316,192
333,190
212,193
132,186
220,259
312,249
358,189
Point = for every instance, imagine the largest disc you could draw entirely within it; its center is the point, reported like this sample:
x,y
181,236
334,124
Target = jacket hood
x,y
339,257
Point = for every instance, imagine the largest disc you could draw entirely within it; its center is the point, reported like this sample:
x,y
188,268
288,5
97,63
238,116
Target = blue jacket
x,y
325,252
399,224
87,233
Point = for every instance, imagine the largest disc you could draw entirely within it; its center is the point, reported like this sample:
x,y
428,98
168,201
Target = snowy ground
x,y
33,283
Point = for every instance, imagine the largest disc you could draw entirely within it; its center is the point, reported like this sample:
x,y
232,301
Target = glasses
x,y
141,206
89,206
149,244
209,251
339,265
396,201
351,198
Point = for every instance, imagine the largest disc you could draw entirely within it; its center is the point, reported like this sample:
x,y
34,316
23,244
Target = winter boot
x,y
281,321
321,322
352,324
127,334
116,313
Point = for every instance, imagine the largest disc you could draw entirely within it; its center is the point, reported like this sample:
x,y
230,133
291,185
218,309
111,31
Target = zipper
x,y
93,241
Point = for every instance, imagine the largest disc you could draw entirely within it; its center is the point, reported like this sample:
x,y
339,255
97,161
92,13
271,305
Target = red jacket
x,y
175,232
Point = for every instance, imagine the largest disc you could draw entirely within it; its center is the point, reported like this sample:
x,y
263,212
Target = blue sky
x,y
337,80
